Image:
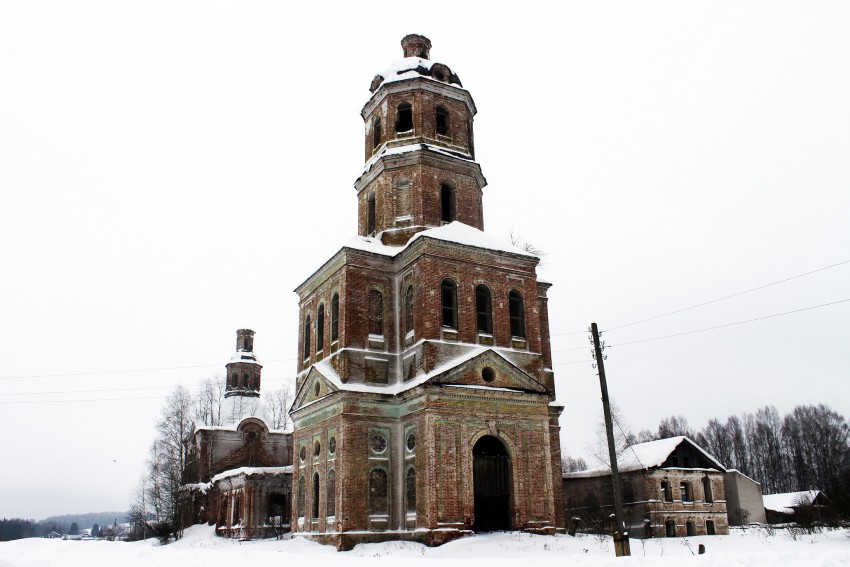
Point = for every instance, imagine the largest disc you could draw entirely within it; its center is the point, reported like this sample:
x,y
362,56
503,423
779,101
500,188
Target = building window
x,y
331,496
670,528
371,213
442,121
376,133
408,309
335,318
449,292
410,490
691,528
483,306
686,492
307,338
237,511
317,449
590,499
516,306
277,510
376,313
234,380
320,329
315,495
378,492
666,491
302,494
709,527
246,380
404,118
706,489
447,203
628,492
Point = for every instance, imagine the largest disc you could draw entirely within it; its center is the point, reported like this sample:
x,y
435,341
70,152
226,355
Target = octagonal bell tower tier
x,y
420,169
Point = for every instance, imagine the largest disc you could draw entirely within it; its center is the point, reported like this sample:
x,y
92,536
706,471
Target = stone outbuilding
x,y
744,503
671,487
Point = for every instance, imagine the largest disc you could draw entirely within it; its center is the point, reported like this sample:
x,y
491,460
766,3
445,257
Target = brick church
x,y
424,405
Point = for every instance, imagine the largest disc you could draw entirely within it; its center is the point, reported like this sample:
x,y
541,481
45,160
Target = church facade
x,y
424,403
424,396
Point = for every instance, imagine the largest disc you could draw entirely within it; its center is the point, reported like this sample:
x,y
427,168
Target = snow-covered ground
x,y
201,548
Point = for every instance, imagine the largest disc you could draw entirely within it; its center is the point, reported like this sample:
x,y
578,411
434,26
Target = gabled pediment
x,y
489,369
314,386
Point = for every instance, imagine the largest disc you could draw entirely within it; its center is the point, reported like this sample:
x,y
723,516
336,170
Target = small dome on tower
x,y
416,63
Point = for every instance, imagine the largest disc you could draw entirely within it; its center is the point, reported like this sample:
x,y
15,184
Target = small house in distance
x,y
671,487
804,507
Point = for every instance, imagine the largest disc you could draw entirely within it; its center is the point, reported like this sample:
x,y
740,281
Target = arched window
x,y
670,528
408,309
709,527
376,313
706,489
378,503
335,318
591,501
302,494
404,118
410,490
471,139
315,495
483,307
307,338
376,133
234,380
449,292
330,501
246,380
516,306
320,329
691,528
666,491
686,492
442,121
447,203
371,213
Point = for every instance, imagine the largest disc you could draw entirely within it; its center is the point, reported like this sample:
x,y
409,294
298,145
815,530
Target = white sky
x,y
170,171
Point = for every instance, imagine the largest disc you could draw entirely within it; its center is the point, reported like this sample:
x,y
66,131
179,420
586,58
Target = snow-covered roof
x,y
642,456
327,370
455,232
244,357
786,501
398,150
409,68
249,471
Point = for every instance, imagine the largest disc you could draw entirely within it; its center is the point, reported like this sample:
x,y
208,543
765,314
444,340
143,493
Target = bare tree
x,y
277,404
208,403
572,464
517,240
673,426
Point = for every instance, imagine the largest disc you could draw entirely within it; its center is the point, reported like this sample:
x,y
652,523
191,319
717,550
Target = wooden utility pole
x,y
621,538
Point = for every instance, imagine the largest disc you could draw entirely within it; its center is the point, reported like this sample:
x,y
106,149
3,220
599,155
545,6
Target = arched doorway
x,y
491,477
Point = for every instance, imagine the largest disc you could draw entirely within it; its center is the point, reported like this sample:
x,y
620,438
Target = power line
x,y
76,401
128,371
732,324
729,296
198,384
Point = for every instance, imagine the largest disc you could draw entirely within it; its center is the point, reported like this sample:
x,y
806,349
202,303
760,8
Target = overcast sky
x,y
170,171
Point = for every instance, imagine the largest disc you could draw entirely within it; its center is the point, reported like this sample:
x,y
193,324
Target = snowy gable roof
x,y
785,502
644,456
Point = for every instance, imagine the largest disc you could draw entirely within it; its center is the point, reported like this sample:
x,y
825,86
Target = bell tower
x,y
243,370
420,169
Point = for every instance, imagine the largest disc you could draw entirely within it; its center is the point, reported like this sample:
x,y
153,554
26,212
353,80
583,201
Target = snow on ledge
x,y
249,471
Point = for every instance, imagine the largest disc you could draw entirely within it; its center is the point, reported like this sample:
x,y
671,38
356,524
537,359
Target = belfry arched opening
x,y
491,470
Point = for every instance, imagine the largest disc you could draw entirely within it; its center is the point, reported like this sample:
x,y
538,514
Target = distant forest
x,y
73,524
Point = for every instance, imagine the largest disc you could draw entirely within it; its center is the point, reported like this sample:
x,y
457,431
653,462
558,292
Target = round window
x,y
303,453
488,374
411,442
317,448
332,445
378,443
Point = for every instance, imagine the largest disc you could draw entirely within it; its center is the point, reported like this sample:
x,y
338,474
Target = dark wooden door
x,y
491,470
